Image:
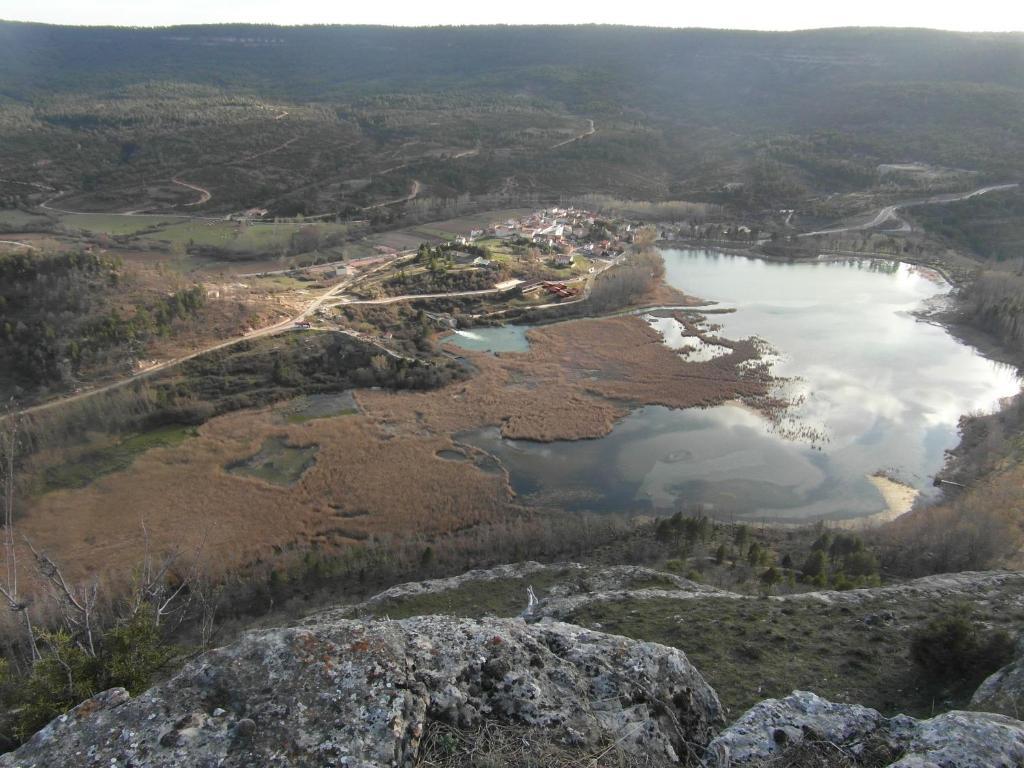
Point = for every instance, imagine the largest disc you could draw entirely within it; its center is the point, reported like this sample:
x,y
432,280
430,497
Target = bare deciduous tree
x,y
10,431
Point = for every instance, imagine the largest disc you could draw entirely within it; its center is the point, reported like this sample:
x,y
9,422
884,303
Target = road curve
x,y
890,211
413,194
204,194
589,132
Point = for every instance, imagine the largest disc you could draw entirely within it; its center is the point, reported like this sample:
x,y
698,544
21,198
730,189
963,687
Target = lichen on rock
x,y
359,693
954,739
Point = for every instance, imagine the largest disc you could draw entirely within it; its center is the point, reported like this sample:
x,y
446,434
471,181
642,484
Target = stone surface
x,y
575,584
358,693
1003,690
950,740
581,585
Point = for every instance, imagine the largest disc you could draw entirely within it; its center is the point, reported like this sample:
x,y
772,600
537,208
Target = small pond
x,y
506,338
277,462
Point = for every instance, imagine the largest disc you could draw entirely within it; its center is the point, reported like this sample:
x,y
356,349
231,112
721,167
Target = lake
x,y
877,389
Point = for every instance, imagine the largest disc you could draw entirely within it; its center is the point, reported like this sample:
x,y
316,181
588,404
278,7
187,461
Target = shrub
x,y
675,565
816,564
954,652
860,564
66,674
770,578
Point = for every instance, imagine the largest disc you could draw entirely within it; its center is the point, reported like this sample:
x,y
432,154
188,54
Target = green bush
x,y
816,565
130,655
953,651
860,564
675,565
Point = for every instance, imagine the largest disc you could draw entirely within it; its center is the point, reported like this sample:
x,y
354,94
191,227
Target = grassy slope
x,y
754,648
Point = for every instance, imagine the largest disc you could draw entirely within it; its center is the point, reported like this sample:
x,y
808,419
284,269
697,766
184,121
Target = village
x,y
551,253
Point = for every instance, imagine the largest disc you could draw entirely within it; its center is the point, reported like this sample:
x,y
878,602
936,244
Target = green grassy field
x,y
103,461
271,238
312,407
103,223
277,462
12,220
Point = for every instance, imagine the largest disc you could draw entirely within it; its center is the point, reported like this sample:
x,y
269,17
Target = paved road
x,y
890,211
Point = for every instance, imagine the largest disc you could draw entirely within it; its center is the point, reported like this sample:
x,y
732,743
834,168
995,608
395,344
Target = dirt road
x,y
141,212
413,194
288,324
508,285
204,194
890,211
271,151
589,132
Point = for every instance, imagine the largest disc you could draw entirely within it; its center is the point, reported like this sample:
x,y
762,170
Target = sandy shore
x,y
899,499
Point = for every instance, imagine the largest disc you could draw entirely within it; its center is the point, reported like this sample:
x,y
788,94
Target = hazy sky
x,y
994,15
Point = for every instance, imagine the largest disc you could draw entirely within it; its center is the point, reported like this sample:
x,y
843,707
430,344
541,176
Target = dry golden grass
x,y
377,474
981,528
577,380
362,483
230,307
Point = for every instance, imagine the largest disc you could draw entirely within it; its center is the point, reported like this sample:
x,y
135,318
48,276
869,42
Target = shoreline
x,y
986,344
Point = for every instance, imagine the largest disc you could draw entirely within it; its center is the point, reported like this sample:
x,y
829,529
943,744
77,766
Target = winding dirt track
x,y
589,132
288,324
204,194
413,194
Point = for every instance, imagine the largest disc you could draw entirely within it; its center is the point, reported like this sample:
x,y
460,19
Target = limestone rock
x,y
358,693
1002,691
953,739
575,585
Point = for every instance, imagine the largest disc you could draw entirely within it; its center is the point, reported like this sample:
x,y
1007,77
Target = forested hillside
x,y
333,119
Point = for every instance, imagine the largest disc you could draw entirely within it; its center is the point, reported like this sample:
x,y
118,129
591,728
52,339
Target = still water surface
x,y
879,389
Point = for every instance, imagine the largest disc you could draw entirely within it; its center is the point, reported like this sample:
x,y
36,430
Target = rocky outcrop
x,y
349,688
953,739
1003,690
572,584
575,586
359,693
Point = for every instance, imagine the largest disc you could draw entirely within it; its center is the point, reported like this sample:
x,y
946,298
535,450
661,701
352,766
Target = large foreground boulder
x,y
359,693
1003,690
849,733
